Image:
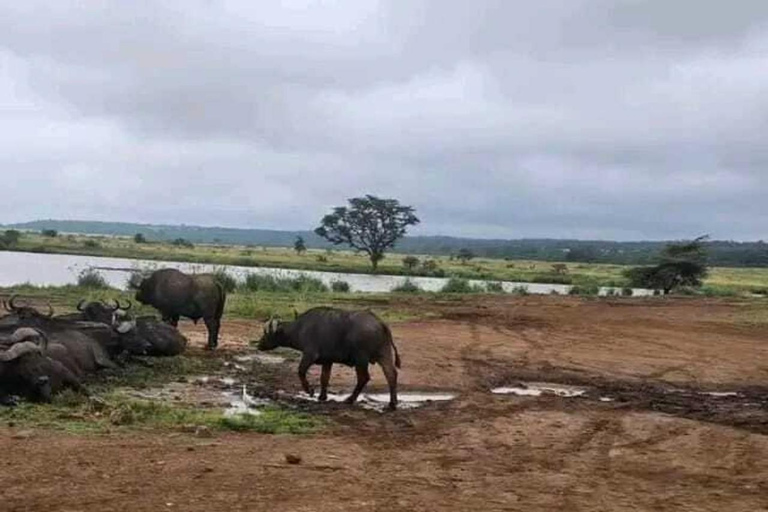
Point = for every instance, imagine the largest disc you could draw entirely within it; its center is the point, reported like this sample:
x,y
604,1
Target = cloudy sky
x,y
614,119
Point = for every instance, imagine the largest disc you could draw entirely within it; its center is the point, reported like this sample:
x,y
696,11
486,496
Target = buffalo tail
x,y
394,347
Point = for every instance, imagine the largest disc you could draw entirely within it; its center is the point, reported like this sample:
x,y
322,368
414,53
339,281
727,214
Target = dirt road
x,y
674,417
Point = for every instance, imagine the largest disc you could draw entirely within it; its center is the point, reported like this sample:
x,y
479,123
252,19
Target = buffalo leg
x,y
212,324
171,320
306,362
325,378
390,372
362,379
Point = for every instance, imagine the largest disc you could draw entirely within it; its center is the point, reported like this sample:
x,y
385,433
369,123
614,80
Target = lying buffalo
x,y
160,338
84,347
21,311
27,370
116,315
329,335
176,294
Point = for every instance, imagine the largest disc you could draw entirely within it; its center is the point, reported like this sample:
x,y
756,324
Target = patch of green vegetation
x,y
91,279
272,420
153,371
407,286
585,290
270,283
459,285
79,415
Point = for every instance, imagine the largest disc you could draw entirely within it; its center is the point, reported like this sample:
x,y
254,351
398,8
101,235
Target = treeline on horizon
x,y
721,253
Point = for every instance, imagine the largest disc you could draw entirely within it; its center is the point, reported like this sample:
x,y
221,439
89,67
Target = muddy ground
x,y
674,416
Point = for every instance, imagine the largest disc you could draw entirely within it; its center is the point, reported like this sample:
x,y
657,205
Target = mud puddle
x,y
742,407
541,388
259,357
379,401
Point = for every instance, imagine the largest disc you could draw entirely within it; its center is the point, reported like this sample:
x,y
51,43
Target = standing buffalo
x,y
329,335
176,294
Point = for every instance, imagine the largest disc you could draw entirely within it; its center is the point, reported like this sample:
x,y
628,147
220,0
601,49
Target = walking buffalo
x,y
328,335
176,294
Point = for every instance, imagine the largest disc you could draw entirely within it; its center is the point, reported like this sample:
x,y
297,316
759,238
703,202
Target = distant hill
x,y
722,253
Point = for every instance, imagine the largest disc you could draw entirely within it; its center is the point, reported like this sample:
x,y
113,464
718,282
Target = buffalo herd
x,y
42,353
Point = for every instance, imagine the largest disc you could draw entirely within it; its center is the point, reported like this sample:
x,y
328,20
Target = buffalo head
x,y
274,335
25,311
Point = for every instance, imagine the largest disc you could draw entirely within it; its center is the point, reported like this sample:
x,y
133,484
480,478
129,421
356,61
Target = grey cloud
x,y
577,118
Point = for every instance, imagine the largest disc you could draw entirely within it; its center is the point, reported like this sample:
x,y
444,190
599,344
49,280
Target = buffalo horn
x,y
12,303
18,350
80,305
24,333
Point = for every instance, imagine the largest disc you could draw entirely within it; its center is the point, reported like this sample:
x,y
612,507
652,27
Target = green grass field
x,y
720,281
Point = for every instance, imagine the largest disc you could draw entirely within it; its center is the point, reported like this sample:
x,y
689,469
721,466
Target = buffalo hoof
x,y
210,347
392,407
322,398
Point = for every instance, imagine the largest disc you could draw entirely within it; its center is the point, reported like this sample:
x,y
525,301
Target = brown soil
x,y
660,444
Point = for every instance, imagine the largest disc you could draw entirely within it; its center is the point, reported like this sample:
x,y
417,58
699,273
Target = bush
x,y
50,233
91,244
183,242
10,238
139,238
407,286
410,263
226,280
458,285
521,290
627,291
431,268
321,258
92,279
494,287
340,286
269,283
590,289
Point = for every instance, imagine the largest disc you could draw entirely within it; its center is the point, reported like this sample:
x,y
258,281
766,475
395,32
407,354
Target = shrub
x,y
410,263
340,286
183,242
494,287
458,285
10,238
226,280
50,233
92,279
521,290
269,283
590,289
139,238
464,256
321,258
431,268
91,244
627,291
407,286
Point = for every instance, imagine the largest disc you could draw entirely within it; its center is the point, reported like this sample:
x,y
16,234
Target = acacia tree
x,y
465,255
680,264
369,224
299,246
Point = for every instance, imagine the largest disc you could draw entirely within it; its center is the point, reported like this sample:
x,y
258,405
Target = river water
x,y
60,269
